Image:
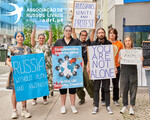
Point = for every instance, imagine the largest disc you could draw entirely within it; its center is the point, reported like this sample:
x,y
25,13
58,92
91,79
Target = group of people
x,y
128,73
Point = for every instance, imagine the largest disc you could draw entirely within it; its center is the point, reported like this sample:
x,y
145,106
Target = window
x,y
138,34
3,25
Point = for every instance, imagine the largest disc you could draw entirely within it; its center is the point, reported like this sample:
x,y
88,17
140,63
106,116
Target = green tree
x,y
28,22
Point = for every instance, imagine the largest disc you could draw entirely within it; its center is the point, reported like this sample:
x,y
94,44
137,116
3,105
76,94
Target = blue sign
x,y
134,1
30,77
67,67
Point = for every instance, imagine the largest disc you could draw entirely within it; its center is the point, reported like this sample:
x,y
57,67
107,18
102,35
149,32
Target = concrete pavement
x,y
51,111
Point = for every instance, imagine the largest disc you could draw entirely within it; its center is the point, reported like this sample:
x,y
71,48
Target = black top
x,y
97,42
73,42
84,49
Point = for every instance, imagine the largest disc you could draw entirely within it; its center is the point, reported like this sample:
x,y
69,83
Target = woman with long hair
x,y
17,49
67,40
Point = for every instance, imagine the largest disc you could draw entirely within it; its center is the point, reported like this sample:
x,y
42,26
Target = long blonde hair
x,y
130,39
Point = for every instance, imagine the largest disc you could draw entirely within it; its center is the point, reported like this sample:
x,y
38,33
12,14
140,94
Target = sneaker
x,y
116,103
123,109
34,102
103,103
25,114
131,111
81,101
95,110
14,114
45,102
109,110
73,109
63,110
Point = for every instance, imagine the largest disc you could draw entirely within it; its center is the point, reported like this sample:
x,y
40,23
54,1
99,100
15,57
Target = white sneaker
x,y
123,109
131,111
34,102
103,103
95,110
116,103
63,110
45,102
14,114
109,110
25,114
73,109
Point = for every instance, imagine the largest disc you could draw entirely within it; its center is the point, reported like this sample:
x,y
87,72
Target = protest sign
x,y
84,15
67,67
132,56
146,53
101,62
30,77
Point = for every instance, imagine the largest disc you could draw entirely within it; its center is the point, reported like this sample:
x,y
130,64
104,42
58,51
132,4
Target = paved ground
x,y
3,69
52,110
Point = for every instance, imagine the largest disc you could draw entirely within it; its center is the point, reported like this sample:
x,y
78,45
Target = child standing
x,y
128,79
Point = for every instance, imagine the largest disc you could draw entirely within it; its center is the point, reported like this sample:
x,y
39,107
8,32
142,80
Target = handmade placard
x,y
101,62
132,57
67,67
84,14
30,77
146,53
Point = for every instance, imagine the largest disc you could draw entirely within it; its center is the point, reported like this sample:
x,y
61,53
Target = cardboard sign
x,y
67,67
146,53
101,62
132,57
30,77
84,15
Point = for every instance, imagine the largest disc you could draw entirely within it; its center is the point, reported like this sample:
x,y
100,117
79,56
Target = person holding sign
x,y
88,84
17,49
128,79
113,35
101,40
67,40
46,49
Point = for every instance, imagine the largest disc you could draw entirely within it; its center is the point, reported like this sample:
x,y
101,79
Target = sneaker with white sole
x,y
103,103
34,102
63,110
131,111
109,110
45,102
95,110
25,114
123,109
14,114
73,109
116,103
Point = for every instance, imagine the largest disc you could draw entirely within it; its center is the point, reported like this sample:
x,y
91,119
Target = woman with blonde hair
x,y
128,79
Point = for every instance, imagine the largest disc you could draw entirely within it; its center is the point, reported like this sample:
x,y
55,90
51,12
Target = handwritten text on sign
x,y
101,59
84,15
30,77
146,53
67,67
132,57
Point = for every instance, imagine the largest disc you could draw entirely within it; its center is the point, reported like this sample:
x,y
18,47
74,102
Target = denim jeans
x,y
97,84
128,82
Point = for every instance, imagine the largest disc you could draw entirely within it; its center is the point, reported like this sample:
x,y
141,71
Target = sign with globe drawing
x,y
67,67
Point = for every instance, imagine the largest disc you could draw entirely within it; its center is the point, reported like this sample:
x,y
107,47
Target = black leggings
x,y
44,98
64,91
